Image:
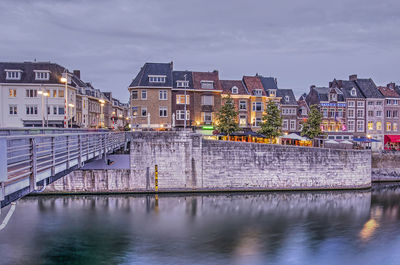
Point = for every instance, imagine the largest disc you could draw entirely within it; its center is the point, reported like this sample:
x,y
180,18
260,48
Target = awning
x,y
365,140
293,136
392,138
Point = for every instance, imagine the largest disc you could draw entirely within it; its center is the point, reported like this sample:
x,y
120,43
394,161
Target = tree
x,y
312,127
271,125
227,117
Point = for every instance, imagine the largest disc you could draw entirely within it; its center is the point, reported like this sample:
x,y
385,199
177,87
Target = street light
x,y
64,79
44,94
102,102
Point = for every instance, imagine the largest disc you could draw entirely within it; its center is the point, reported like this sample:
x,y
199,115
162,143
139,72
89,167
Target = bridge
x,y
32,159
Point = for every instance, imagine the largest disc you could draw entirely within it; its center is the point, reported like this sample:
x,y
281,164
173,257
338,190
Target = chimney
x,y
77,73
353,78
172,65
312,87
276,81
391,85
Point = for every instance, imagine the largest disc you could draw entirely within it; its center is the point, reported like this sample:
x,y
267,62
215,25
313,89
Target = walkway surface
x,y
120,162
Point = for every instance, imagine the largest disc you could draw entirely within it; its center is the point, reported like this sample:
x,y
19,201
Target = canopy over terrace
x,y
392,142
295,139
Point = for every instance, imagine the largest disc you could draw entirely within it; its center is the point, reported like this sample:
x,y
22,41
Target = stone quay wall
x,y
385,166
186,162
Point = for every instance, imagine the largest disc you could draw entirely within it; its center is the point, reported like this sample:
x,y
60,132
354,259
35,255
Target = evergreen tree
x,y
271,125
312,127
227,117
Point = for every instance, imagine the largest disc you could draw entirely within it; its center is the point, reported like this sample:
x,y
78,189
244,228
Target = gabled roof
x,y
180,76
227,86
252,83
388,92
287,96
346,86
206,76
368,88
28,74
142,78
268,82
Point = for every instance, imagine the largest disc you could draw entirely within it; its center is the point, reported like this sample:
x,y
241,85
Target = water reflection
x,y
249,228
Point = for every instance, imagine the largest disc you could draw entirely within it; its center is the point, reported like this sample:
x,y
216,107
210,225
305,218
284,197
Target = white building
x,y
32,93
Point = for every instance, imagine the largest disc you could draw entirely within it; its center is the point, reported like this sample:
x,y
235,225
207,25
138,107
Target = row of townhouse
x,y
157,99
33,95
357,108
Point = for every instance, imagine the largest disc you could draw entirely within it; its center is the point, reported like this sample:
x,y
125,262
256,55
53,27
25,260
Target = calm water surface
x,y
254,228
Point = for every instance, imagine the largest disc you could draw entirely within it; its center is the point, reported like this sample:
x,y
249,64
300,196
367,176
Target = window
x,y
325,113
285,125
135,94
360,126
257,106
370,125
370,113
54,110
388,102
162,95
54,93
257,122
351,104
388,113
346,137
242,105
207,100
207,117
353,92
61,110
350,113
379,103
370,103
394,101
331,113
292,125
340,113
182,83
12,93
379,125
144,112
31,110
180,99
350,126
42,75
163,112
360,103
257,92
144,94
378,113
235,90
394,126
13,109
157,78
388,126
31,93
48,110
13,75
207,84
395,114
61,93
287,98
242,120
360,113
272,92
332,97
180,115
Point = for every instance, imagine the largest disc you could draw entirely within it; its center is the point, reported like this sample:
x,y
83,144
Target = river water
x,y
339,227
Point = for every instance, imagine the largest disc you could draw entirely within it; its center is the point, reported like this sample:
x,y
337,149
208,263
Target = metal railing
x,y
26,160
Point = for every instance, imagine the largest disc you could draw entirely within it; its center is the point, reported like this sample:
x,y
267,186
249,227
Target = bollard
x,y
156,178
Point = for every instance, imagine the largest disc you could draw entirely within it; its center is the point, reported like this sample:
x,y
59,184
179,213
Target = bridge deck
x,y
27,161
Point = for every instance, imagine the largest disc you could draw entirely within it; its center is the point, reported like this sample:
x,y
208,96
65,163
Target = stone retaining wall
x,y
386,166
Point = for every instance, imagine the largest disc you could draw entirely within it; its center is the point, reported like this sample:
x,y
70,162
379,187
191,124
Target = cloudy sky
x,y
300,42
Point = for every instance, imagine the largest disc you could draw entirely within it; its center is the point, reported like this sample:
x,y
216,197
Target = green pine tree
x,y
227,117
271,125
312,127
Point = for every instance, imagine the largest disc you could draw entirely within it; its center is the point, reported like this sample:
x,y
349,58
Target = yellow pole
x,y
156,178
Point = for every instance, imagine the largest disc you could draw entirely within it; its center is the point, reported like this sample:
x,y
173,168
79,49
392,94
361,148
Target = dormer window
x,y
42,74
272,92
287,98
157,78
13,74
257,92
332,97
235,90
353,92
181,83
207,84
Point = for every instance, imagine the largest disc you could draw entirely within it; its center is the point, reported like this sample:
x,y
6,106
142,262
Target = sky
x,y
301,43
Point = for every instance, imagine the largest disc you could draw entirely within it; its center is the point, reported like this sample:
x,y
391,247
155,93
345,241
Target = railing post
x,y
105,147
87,146
67,152
32,180
53,156
80,150
3,166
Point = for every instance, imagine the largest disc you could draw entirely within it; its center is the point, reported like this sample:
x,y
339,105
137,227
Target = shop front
x,y
392,142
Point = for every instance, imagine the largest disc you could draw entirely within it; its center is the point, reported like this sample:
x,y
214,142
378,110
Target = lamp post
x,y
70,106
64,79
102,102
44,94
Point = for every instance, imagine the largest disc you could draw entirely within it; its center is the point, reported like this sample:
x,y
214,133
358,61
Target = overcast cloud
x,y
299,42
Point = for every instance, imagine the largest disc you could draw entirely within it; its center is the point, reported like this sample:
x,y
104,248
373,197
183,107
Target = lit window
x,y
180,99
379,125
388,126
12,93
394,126
370,125
272,92
242,120
61,93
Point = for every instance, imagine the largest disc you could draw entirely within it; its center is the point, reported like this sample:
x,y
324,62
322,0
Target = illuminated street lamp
x,y
64,79
102,102
44,94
